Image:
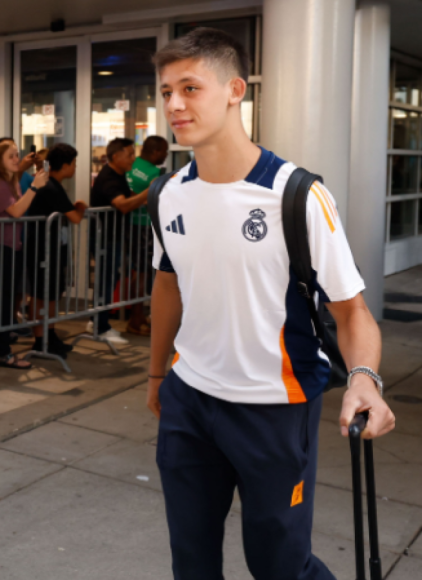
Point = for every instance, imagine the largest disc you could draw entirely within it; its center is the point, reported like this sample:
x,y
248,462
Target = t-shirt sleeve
x,y
5,200
112,189
160,260
336,272
62,203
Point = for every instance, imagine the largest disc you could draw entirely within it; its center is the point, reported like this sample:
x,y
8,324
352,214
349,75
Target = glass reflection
x,y
402,219
123,95
406,130
404,174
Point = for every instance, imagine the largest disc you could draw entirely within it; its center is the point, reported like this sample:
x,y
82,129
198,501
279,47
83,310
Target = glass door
x,y
123,95
47,103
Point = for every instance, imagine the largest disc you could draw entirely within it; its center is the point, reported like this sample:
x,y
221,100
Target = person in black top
x,y
111,189
49,199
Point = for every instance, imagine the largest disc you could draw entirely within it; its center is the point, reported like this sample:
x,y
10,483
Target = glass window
x,y
123,94
407,86
402,219
181,158
420,218
242,29
406,130
48,99
404,174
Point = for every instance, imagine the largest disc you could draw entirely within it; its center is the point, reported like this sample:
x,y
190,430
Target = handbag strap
x,y
154,191
293,214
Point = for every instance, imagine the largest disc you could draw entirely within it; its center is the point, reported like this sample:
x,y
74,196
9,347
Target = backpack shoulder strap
x,y
294,222
154,191
293,214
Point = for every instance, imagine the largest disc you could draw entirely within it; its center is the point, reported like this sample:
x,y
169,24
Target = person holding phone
x,y
12,204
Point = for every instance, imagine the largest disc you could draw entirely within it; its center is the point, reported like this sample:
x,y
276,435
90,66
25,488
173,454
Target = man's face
x,y
70,169
124,159
160,156
196,101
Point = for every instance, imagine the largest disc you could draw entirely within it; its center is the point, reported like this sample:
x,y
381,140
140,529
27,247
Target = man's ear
x,y
237,90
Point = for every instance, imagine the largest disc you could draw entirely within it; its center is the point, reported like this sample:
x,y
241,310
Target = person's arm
x,y
77,214
359,341
340,286
166,315
128,204
20,208
26,162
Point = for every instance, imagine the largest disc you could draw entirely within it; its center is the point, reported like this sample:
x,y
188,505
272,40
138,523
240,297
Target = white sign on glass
x,y
48,109
122,105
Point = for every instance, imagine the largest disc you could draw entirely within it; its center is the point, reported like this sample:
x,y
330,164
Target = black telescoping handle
x,y
355,429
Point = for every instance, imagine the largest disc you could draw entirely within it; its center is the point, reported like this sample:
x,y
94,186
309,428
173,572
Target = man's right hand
x,y
153,402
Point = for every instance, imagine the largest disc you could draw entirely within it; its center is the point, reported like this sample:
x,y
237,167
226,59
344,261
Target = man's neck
x,y
115,168
57,175
231,157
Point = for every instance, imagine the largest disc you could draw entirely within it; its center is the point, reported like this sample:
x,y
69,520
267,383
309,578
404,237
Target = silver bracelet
x,y
370,373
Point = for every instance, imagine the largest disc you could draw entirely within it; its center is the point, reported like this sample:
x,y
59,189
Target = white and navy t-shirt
x,y
246,335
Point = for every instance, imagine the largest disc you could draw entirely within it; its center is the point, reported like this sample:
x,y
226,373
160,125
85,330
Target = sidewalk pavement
x,y
80,496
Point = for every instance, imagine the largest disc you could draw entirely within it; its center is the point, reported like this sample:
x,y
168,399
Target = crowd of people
x,y
121,184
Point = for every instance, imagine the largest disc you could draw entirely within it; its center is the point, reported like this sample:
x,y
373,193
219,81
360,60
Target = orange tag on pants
x,y
297,496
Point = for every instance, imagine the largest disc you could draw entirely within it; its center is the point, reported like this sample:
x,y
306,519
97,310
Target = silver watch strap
x,y
368,372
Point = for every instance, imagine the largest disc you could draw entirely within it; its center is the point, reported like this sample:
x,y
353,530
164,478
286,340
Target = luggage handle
x,y
356,427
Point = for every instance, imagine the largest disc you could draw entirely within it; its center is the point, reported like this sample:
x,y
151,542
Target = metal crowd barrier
x,y
84,261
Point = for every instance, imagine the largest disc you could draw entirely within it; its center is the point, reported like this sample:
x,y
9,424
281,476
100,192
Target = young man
x,y
143,172
111,189
242,403
49,199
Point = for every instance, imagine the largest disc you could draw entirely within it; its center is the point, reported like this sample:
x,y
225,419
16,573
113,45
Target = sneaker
x,y
90,327
114,336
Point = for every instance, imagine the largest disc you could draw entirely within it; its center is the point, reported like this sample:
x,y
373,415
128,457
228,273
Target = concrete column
x,y
368,169
307,81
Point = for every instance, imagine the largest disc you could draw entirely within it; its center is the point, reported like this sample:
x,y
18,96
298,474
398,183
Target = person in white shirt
x,y
242,402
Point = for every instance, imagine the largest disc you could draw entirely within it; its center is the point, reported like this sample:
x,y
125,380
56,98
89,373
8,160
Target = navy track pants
x,y
207,447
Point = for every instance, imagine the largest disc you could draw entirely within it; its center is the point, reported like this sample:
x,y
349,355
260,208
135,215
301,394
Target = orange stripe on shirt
x,y
175,359
294,390
324,209
327,198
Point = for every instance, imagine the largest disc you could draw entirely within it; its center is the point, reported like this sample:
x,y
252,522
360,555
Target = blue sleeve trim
x,y
165,264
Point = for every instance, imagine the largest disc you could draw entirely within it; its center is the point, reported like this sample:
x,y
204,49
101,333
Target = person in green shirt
x,y
144,170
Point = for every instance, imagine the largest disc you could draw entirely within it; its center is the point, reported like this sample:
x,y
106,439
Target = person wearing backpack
x,y
242,403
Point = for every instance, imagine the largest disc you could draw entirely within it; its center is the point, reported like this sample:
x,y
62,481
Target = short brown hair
x,y
209,44
116,145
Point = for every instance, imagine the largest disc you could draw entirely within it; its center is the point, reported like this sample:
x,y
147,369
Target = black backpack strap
x,y
154,191
293,214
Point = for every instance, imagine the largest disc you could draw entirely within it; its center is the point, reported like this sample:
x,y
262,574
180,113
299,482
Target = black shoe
x,y
23,332
57,343
52,348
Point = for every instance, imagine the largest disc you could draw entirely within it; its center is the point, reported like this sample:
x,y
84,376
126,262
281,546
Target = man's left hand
x,y
363,396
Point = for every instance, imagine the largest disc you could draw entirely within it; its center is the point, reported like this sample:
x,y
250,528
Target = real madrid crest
x,y
255,229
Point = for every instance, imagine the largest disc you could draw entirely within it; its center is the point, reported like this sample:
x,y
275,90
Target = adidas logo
x,y
177,226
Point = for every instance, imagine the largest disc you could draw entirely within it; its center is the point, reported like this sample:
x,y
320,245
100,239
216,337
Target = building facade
x,y
335,86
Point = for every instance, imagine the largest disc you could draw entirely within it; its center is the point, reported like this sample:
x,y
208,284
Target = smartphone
x,y
46,165
33,149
